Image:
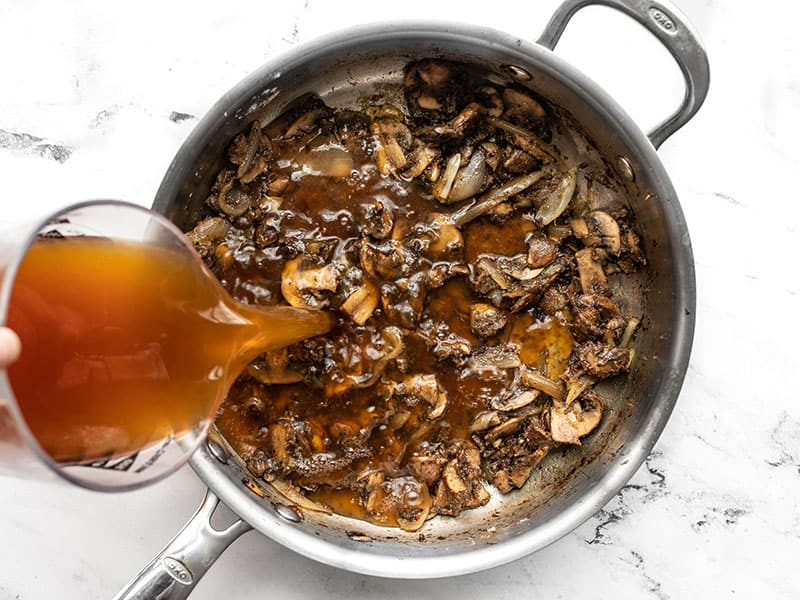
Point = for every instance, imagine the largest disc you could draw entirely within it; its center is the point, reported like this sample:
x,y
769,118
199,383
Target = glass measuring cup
x,y
124,360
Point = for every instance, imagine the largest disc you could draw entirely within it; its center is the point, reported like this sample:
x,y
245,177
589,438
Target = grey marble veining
x,y
97,97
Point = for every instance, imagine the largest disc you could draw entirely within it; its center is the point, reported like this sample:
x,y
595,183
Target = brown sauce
x,y
472,324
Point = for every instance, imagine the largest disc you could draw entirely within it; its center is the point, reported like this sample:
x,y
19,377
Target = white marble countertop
x,y
90,94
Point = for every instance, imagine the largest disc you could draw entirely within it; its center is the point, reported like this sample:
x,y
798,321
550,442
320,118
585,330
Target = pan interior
x,y
569,485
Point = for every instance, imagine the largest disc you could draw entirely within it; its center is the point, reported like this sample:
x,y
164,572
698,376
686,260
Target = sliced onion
x,y
470,179
442,187
537,381
496,196
557,201
288,491
328,160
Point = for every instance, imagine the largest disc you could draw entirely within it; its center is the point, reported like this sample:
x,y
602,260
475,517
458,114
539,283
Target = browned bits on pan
x,y
472,262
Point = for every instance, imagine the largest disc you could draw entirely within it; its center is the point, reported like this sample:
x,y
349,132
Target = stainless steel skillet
x,y
569,487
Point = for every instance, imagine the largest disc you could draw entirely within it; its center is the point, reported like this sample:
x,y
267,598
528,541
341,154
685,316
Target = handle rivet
x,y
217,451
624,166
287,513
518,72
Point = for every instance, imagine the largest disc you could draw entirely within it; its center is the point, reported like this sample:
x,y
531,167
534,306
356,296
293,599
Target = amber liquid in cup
x,y
127,343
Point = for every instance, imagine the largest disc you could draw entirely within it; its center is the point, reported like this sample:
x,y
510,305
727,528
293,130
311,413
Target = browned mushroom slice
x,y
387,260
489,98
593,277
484,420
527,291
598,228
504,429
442,236
460,486
458,125
378,220
541,251
423,388
361,303
427,463
302,285
432,87
401,500
569,424
515,401
307,121
420,158
234,201
519,161
602,360
485,320
492,358
522,108
207,232
392,138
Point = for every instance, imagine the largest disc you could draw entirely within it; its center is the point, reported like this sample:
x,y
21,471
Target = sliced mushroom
x,y
234,201
378,220
603,360
490,99
569,424
514,401
593,277
501,356
391,138
361,303
431,85
302,286
521,107
443,237
388,260
458,125
423,388
507,428
598,228
484,420
541,251
307,121
485,320
420,158
208,231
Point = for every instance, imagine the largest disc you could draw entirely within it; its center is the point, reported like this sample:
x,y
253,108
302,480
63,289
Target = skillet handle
x,y
173,574
672,29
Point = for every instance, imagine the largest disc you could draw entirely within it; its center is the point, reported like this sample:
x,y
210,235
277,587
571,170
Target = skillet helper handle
x,y
672,29
173,574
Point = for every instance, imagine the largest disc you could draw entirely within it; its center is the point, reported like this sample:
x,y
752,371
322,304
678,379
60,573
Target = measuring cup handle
x,y
173,574
671,28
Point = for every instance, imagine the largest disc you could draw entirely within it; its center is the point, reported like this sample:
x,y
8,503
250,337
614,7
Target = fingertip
x,y
10,346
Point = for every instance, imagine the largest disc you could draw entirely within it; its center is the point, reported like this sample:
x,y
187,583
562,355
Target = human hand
x,y
10,347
